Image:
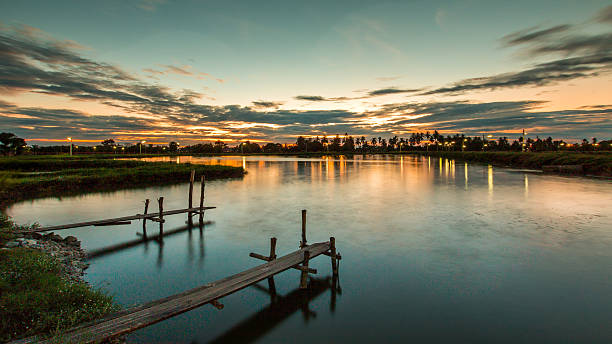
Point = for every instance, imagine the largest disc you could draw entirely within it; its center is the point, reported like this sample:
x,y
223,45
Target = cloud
x,y
529,35
266,104
185,70
32,62
582,56
540,75
150,5
492,117
605,15
388,78
312,98
391,90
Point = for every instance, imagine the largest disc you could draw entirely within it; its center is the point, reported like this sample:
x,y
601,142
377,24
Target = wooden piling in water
x,y
202,186
334,262
160,201
304,275
272,256
303,242
144,220
191,180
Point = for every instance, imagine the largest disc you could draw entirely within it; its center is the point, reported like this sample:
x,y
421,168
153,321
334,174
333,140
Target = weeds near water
x,y
36,299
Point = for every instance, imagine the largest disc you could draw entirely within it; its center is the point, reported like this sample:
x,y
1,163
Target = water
x,y
433,250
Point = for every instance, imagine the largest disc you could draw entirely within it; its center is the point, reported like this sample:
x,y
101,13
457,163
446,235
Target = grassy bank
x,y
44,176
36,296
593,164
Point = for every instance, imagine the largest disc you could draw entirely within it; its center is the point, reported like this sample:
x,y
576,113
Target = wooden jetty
x,y
156,217
120,220
150,313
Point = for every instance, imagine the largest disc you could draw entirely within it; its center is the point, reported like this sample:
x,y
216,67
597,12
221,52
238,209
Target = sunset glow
x,y
363,71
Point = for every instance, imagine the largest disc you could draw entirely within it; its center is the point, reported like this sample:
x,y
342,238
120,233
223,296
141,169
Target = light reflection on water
x,y
431,252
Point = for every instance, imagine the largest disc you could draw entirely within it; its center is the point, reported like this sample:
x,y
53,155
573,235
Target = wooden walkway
x,y
150,216
144,315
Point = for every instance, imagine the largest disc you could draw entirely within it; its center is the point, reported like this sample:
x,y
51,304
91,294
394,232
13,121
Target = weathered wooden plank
x,y
118,219
267,259
147,314
120,223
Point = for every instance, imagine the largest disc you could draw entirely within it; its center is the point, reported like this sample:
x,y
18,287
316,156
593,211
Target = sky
x,y
270,71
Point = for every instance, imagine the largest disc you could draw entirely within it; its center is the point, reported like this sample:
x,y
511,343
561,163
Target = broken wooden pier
x,y
137,317
150,313
156,217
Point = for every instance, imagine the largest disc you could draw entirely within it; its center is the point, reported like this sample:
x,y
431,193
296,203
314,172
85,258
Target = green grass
x,y
37,300
34,177
594,164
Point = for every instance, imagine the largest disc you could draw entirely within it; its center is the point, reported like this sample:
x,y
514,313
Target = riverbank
x,y
31,177
42,286
591,164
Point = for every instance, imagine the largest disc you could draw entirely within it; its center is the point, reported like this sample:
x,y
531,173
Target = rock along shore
x,y
66,250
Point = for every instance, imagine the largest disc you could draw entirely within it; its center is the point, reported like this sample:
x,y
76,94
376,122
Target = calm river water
x,y
433,250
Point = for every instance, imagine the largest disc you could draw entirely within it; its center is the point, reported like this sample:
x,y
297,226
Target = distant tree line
x,y
421,142
418,141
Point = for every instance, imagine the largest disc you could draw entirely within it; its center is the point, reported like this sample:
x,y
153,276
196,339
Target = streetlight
x,y
70,141
141,143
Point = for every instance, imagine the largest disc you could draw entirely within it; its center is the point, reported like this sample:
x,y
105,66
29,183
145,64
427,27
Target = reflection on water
x,y
431,252
280,309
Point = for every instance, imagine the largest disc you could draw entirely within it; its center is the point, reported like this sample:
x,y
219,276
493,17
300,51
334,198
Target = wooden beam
x,y
267,259
113,223
338,256
218,305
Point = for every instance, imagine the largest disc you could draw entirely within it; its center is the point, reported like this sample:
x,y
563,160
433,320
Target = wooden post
x,y
303,242
334,291
304,276
144,221
191,179
202,185
160,201
334,262
272,256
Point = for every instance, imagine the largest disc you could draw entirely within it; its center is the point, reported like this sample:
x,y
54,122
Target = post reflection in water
x,y
526,186
490,179
465,173
159,241
281,308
